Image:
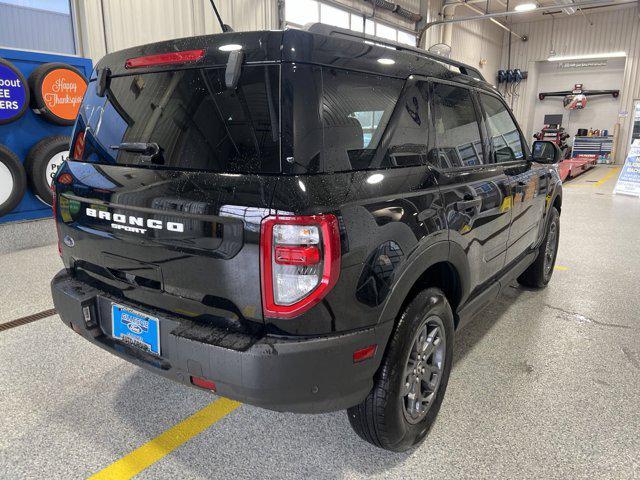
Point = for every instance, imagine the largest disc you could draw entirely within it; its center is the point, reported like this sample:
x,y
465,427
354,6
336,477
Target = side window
x,y
457,131
504,134
409,136
356,109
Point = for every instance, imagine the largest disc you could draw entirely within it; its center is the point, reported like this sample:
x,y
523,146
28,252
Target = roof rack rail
x,y
332,31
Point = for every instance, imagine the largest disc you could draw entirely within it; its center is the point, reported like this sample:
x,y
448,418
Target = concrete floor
x,y
545,384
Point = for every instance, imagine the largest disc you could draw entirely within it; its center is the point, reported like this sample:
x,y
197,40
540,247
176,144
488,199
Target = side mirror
x,y
546,152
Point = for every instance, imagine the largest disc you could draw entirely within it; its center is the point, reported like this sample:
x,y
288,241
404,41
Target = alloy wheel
x,y
423,369
550,248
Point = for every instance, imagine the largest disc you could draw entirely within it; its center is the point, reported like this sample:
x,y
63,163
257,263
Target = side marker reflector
x,y
203,383
364,353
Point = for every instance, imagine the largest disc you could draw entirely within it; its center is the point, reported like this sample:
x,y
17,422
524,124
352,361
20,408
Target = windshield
x,y
186,119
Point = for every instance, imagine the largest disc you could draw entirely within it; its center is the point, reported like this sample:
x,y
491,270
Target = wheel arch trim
x,y
437,253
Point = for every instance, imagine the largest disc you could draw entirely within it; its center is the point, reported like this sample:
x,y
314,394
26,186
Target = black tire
x,y
27,97
42,162
384,418
13,181
38,103
540,271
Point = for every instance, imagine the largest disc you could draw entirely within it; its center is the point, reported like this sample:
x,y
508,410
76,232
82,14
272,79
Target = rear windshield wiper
x,y
149,152
149,149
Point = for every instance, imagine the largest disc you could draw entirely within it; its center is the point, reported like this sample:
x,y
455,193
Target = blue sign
x,y
629,179
136,329
14,93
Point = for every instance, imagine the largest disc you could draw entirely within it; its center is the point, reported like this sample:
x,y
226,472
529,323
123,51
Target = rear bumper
x,y
297,375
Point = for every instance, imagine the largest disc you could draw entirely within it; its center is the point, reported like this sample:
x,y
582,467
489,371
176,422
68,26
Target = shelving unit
x,y
592,147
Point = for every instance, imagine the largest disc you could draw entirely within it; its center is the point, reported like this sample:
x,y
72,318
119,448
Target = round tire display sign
x,y
14,93
57,90
62,91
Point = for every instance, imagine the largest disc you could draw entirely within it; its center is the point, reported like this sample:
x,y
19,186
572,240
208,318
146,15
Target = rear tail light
x,y
65,179
300,262
78,147
169,58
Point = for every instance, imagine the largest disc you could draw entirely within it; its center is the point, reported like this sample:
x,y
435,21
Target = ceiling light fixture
x,y
386,61
589,56
525,7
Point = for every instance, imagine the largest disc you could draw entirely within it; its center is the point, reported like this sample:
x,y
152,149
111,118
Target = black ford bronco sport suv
x,y
299,220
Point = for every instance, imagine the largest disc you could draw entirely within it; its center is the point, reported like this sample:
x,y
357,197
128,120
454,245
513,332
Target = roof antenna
x,y
224,26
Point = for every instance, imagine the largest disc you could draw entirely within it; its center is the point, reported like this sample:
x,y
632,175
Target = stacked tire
x,y
53,91
16,95
13,180
42,163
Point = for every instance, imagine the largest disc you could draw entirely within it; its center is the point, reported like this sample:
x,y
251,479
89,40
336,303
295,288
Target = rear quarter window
x,y
356,109
333,120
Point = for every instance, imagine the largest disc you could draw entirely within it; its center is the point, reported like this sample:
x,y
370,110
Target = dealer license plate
x,y
135,328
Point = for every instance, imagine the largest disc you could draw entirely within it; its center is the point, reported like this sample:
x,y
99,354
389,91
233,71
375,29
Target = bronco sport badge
x,y
133,224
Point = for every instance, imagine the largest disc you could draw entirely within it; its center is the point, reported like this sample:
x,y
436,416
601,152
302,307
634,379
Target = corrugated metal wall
x,y
471,41
475,41
128,23
109,25
613,30
35,29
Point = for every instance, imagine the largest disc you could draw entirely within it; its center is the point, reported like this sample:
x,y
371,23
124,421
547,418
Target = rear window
x,y
196,122
289,118
333,120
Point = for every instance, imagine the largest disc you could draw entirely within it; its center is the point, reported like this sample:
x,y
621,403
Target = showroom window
x,y
42,25
300,12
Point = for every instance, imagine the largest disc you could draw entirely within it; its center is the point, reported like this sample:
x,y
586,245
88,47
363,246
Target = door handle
x,y
467,204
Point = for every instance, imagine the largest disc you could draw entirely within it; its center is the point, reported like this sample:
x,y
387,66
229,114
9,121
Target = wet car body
x,y
183,243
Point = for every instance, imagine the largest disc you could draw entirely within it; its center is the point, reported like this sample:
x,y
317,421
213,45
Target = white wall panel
x,y
135,22
471,41
430,12
88,14
242,15
130,23
612,30
475,41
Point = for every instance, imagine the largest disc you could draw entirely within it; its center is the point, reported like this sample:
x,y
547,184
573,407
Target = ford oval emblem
x,y
69,241
135,328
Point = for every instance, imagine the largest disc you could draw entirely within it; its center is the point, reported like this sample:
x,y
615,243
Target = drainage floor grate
x,y
27,319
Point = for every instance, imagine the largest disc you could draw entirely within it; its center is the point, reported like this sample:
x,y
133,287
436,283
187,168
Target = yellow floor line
x,y
613,171
561,267
608,176
154,450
